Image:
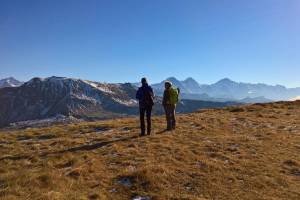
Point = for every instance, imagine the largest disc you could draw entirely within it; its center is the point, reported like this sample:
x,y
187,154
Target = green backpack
x,y
173,95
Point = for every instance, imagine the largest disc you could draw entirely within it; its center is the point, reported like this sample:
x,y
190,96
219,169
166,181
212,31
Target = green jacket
x,y
170,97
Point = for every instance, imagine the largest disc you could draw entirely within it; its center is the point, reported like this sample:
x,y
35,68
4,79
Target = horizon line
x,y
229,79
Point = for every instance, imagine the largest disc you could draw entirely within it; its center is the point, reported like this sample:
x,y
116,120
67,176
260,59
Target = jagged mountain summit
x,y
192,85
42,98
187,86
10,82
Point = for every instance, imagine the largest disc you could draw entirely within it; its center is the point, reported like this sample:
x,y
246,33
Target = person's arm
x,y
151,92
138,94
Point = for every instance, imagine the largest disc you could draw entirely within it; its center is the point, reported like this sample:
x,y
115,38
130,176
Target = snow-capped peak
x,y
10,82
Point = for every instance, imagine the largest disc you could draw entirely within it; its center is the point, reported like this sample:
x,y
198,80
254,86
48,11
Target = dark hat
x,y
144,81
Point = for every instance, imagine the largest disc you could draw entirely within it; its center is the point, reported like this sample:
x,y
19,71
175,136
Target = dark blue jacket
x,y
140,93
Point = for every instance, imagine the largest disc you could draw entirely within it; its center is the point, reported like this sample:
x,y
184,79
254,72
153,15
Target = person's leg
x,y
142,120
173,118
166,114
148,113
168,117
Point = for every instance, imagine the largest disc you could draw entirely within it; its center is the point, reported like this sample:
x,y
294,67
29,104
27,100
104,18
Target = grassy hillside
x,y
247,152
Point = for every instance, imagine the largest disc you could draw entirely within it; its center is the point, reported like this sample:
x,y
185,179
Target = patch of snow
x,y
44,122
84,97
102,87
91,83
124,102
113,190
141,198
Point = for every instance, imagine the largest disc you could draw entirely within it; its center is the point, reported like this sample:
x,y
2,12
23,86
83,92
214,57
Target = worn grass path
x,y
247,152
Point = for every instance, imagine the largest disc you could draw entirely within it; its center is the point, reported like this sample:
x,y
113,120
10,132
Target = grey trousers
x,y
170,116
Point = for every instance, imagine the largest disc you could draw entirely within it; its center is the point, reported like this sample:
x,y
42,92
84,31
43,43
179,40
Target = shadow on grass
x,y
164,131
89,147
86,147
16,157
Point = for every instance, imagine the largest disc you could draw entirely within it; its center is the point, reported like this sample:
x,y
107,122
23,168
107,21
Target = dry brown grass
x,y
248,152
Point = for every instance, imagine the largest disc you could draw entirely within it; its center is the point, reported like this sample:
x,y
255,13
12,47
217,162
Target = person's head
x,y
144,81
168,84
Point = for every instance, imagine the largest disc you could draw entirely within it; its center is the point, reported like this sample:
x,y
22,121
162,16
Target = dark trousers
x,y
146,110
170,116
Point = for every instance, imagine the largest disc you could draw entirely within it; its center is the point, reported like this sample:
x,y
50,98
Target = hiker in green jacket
x,y
170,100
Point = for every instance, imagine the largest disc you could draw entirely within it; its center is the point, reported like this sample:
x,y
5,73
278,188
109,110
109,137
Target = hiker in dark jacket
x,y
170,99
145,96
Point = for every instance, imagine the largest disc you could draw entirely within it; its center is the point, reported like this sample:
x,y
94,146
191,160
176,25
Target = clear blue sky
x,y
123,40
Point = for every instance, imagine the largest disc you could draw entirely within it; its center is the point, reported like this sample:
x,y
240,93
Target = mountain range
x,y
42,98
221,91
228,90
